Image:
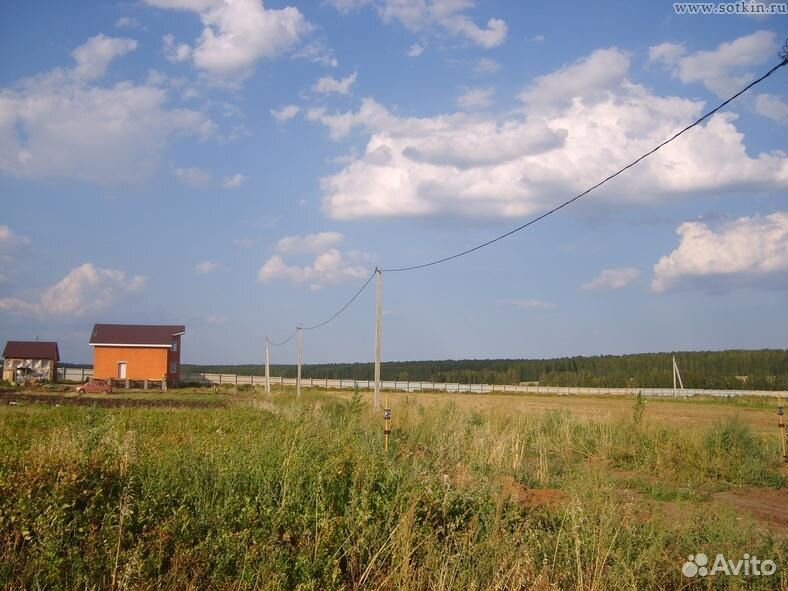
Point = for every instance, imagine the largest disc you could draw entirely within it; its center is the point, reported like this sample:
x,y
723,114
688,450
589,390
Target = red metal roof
x,y
31,350
135,334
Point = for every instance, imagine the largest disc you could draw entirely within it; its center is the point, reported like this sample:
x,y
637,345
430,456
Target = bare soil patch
x,y
104,402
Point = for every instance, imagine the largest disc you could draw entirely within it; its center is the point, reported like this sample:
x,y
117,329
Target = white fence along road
x,y
407,386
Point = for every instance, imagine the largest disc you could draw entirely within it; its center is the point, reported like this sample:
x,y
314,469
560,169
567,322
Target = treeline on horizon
x,y
765,369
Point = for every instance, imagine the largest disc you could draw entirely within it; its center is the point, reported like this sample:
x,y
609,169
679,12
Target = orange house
x,y
137,352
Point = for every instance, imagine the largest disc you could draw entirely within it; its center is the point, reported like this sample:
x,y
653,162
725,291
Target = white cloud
x,y
438,16
723,70
329,267
63,124
193,177
590,77
486,66
10,239
415,50
577,125
476,98
612,279
309,244
286,113
747,251
94,56
329,85
531,304
128,22
773,107
317,52
346,6
236,35
205,267
175,52
234,181
86,288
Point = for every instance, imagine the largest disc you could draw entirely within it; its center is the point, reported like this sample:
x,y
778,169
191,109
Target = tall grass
x,y
293,495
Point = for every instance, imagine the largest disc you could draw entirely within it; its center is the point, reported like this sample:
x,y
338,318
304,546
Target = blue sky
x,y
241,167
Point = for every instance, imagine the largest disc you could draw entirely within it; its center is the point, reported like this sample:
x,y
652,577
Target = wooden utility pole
x,y
299,359
378,334
267,368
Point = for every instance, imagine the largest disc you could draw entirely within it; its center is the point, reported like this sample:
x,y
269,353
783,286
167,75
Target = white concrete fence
x,y
408,386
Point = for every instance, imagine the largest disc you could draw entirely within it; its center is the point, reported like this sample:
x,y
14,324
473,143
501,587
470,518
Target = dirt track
x,y
120,401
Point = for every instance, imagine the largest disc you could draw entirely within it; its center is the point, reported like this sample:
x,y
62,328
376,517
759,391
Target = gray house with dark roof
x,y
30,360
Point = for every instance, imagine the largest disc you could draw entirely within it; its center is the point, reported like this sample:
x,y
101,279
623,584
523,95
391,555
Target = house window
x,y
173,367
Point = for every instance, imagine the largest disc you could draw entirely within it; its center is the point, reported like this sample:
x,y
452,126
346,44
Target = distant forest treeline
x,y
765,369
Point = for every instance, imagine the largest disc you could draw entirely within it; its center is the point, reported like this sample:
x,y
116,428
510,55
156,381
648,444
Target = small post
x,y
145,384
674,375
127,383
781,425
267,368
299,359
378,334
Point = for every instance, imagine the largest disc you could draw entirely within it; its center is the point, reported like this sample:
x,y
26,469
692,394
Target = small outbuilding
x,y
26,361
137,352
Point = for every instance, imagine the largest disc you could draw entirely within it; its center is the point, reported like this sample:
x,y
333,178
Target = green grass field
x,y
474,493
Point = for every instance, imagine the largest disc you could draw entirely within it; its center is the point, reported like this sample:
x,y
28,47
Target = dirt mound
x,y
767,506
532,498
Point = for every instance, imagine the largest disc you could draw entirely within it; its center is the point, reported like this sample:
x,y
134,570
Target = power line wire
x,y
345,307
287,340
332,317
544,215
599,184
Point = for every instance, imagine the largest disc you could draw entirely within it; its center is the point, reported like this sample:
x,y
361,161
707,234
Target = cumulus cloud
x,y
748,251
476,98
589,78
442,17
175,52
234,181
236,35
205,267
576,126
723,70
193,177
330,267
128,22
94,56
86,288
64,124
329,85
415,50
309,244
318,53
612,279
10,239
772,107
286,113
